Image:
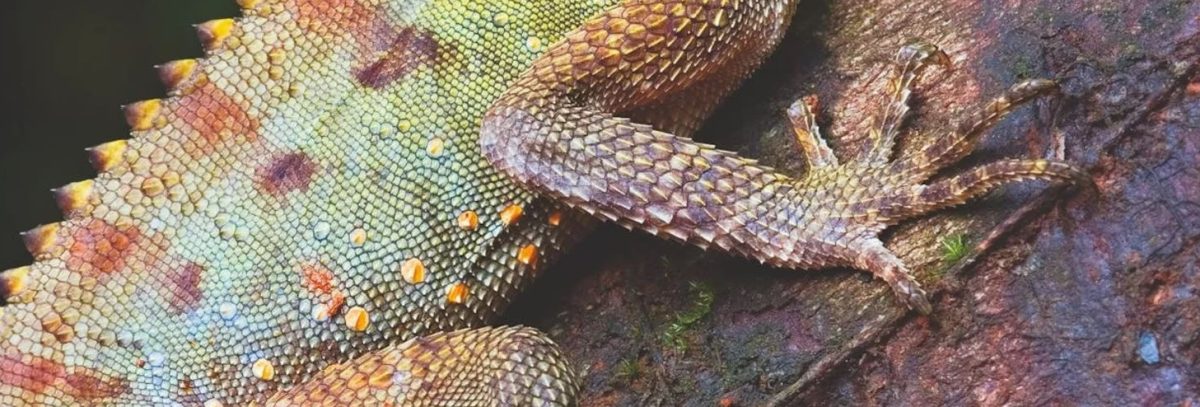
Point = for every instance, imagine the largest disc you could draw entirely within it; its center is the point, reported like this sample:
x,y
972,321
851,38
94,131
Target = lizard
x,y
338,200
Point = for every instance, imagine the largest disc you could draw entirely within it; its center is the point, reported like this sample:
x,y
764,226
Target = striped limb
x,y
565,130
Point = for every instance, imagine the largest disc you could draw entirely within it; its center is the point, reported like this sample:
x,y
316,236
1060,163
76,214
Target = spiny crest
x,y
213,33
76,199
40,240
143,115
106,156
176,75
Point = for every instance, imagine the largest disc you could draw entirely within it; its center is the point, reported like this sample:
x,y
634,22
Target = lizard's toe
x,y
874,257
909,292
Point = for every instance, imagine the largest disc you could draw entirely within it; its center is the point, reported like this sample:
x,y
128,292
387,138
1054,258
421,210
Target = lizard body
x,y
333,202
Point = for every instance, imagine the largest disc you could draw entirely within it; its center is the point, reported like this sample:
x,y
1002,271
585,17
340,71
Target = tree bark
x,y
1067,296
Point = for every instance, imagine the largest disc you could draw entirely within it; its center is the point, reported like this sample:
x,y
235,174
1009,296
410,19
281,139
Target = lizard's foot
x,y
873,190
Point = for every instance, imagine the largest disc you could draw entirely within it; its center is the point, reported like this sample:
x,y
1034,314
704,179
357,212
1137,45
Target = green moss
x,y
954,248
629,370
1023,67
673,335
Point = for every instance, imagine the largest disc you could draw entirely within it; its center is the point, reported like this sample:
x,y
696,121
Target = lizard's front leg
x,y
563,129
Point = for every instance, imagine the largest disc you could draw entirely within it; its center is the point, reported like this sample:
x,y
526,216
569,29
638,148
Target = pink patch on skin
x,y
331,16
99,248
86,386
184,288
34,377
286,173
215,117
388,53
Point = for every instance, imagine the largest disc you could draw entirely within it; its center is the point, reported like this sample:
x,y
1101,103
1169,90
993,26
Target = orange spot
x,y
263,369
358,237
317,278
511,214
99,248
468,220
1193,89
435,147
457,293
555,218
215,117
527,254
34,376
357,319
413,271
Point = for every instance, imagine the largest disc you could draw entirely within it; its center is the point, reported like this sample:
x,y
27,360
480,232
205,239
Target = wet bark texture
x,y
1064,297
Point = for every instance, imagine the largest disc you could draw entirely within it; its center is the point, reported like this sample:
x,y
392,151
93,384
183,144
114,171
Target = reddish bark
x,y
1090,299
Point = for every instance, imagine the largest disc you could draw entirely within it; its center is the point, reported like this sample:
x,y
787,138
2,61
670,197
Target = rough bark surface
x,y
1067,297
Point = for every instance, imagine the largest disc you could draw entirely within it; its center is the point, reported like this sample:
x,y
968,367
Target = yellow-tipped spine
x,y
74,198
12,283
143,115
249,4
213,33
106,156
176,74
39,240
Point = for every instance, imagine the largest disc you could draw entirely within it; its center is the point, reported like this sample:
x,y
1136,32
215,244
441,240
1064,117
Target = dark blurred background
x,y
65,68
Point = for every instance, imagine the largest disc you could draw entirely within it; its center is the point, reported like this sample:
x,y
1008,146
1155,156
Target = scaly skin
x,y
334,201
